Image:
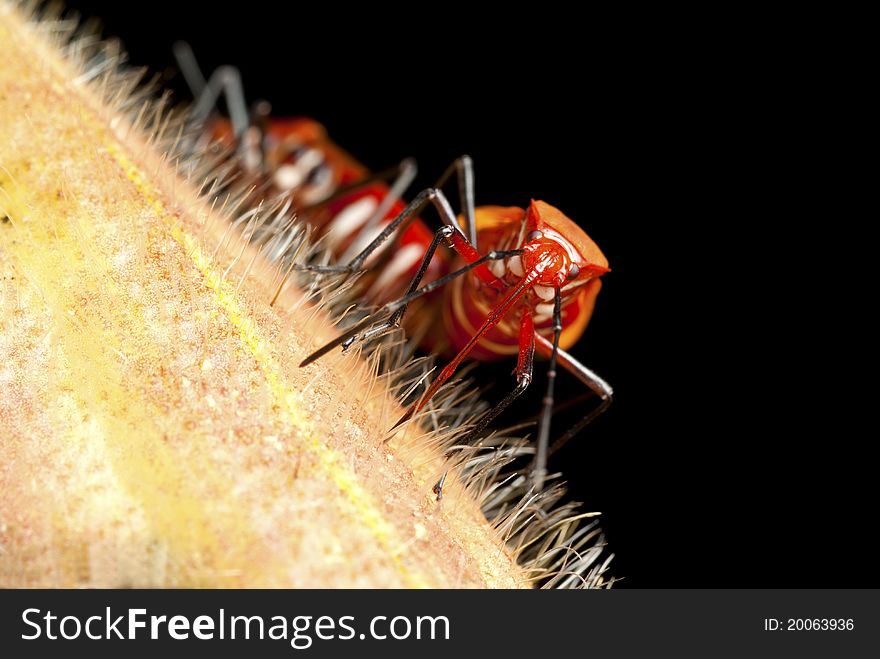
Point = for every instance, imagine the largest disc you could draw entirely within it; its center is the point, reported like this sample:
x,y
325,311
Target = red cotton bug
x,y
518,280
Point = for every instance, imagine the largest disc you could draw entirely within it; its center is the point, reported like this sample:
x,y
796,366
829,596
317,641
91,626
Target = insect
x,y
514,281
335,194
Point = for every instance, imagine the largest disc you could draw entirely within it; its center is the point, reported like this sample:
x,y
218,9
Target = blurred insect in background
x,y
516,280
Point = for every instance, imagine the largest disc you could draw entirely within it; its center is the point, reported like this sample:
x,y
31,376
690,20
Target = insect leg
x,y
400,176
464,170
595,383
491,320
404,173
539,469
189,67
225,80
396,305
524,370
394,320
398,225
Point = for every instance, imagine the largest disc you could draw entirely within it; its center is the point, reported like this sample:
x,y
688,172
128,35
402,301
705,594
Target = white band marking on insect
x,y
544,292
400,265
252,155
310,159
574,284
367,235
515,265
349,220
319,190
497,268
288,177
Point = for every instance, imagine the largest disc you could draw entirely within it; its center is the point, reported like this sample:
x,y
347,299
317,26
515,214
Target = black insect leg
x,y
586,376
401,304
524,371
539,468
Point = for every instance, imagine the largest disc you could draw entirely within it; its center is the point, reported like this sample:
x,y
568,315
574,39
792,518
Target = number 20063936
x,y
808,624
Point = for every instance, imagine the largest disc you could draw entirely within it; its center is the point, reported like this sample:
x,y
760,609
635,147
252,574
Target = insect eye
x,y
534,235
573,271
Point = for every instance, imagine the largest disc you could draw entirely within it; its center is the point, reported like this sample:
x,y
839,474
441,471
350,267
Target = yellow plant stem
x,y
155,429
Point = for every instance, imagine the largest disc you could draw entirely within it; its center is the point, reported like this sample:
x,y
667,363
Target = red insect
x,y
517,281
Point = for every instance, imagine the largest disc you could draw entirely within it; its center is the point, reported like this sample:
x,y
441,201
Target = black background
x,y
719,463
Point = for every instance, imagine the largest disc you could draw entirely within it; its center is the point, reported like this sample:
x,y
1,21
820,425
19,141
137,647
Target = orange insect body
x,y
450,317
499,308
514,281
467,301
293,150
